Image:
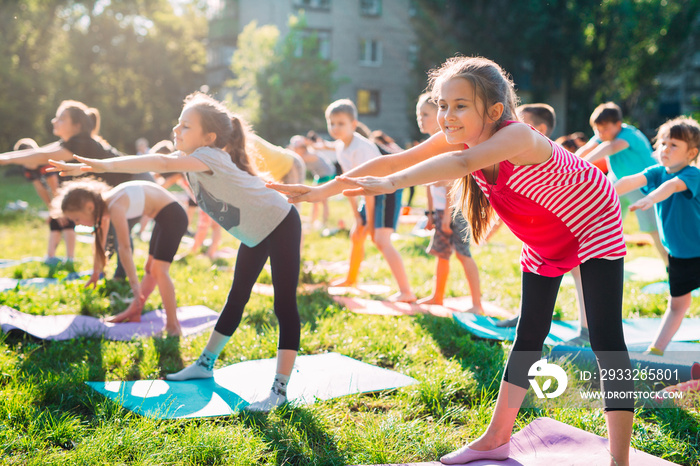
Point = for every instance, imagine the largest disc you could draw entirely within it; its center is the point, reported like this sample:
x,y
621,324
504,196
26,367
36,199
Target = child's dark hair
x,y
230,129
609,112
682,128
80,114
73,195
491,85
540,114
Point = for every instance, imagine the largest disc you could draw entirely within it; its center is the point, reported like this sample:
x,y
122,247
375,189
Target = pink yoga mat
x,y
193,320
546,442
387,308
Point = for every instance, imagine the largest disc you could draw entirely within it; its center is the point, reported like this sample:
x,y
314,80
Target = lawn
x,y
49,416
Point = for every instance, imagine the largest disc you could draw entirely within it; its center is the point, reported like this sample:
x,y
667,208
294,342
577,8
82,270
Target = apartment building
x,y
371,42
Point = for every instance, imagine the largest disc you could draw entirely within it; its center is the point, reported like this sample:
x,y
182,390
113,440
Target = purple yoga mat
x,y
193,320
546,442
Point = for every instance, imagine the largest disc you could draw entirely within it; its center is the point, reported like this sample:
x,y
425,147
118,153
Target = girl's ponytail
x,y
236,146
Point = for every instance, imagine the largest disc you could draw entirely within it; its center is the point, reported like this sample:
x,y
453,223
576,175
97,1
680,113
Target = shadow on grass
x,y
296,435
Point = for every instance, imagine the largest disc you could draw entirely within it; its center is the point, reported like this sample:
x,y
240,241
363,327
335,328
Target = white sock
x,y
276,397
203,368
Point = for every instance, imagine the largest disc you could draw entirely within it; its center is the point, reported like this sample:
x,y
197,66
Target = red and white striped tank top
x,y
564,210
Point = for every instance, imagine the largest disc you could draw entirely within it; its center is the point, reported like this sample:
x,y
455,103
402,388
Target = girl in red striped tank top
x,y
561,207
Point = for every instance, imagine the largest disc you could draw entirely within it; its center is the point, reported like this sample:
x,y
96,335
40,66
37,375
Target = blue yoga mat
x,y
663,288
315,377
636,330
679,357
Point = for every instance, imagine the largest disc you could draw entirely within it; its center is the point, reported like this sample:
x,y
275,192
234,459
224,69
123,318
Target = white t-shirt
x,y
439,194
235,199
358,152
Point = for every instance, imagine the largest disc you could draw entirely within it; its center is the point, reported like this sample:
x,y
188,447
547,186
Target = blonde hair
x,y
491,85
72,197
230,129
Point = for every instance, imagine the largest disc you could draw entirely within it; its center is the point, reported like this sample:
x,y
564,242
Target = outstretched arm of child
x,y
379,166
516,142
661,193
32,158
159,163
630,183
604,149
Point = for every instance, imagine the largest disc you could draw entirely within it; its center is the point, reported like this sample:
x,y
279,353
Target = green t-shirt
x,y
635,158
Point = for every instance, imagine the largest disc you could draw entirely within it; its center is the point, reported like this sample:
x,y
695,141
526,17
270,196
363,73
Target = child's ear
x,y
693,153
496,111
210,138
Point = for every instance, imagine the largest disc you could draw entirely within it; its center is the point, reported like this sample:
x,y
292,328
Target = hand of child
x,y
446,224
368,185
297,192
429,225
93,280
643,204
66,169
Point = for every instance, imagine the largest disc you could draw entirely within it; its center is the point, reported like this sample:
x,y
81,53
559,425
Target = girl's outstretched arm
x,y
32,158
158,163
379,166
517,143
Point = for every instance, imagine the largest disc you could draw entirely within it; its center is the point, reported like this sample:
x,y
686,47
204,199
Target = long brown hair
x,y
73,195
230,129
491,85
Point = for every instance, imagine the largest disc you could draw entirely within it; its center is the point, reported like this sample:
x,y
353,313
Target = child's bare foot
x,y
475,310
430,300
344,282
401,297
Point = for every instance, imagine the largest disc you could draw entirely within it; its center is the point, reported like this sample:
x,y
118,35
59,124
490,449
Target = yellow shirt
x,y
269,158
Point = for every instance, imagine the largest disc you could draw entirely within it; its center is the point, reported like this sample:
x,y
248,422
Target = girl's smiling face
x,y
189,134
462,113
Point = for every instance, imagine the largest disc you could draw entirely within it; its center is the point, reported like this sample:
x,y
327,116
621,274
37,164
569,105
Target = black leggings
x,y
602,294
282,247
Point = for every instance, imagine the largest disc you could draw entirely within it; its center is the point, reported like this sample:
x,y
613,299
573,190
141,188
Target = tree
x,y
282,86
134,60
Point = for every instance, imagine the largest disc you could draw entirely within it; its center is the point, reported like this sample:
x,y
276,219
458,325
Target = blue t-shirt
x,y
635,158
678,217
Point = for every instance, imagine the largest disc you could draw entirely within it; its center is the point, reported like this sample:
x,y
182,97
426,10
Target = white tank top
x,y
137,198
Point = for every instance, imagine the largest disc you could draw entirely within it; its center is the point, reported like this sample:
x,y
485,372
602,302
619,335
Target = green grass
x,y
49,416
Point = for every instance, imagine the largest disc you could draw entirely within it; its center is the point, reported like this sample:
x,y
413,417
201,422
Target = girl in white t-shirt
x,y
211,144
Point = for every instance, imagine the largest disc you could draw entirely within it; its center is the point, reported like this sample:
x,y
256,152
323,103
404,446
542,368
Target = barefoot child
x,y
451,229
673,189
92,203
212,152
507,167
377,216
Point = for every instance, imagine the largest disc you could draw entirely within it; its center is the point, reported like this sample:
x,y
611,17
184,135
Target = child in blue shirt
x,y
628,152
673,189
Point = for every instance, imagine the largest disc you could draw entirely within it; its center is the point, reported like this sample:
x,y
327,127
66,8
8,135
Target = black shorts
x,y
683,275
54,225
171,224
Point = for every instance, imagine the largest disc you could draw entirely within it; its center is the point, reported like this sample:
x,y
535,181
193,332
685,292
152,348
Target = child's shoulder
x,y
359,142
209,153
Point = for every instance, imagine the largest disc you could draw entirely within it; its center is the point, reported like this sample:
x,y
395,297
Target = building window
x,y
314,42
313,4
367,102
371,7
370,52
